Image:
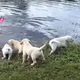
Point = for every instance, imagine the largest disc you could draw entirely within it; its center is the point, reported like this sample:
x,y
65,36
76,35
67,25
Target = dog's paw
x,y
33,64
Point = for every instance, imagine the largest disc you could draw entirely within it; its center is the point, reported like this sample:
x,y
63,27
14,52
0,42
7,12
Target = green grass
x,y
63,64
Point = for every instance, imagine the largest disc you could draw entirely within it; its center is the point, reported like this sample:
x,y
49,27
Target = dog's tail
x,y
43,46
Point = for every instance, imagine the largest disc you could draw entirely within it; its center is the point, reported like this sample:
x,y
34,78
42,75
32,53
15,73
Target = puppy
x,y
59,42
32,52
7,50
16,45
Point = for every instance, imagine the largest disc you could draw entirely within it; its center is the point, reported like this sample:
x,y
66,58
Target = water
x,y
39,20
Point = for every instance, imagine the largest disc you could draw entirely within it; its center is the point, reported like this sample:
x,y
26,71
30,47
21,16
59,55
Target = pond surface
x,y
39,20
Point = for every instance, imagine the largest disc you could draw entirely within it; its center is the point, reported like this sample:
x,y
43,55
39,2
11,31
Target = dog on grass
x,y
32,52
7,50
15,45
59,42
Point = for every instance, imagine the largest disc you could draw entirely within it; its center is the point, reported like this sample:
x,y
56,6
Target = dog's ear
x,y
29,41
21,42
12,44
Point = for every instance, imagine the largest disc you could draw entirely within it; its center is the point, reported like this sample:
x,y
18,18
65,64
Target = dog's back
x,y
60,39
7,49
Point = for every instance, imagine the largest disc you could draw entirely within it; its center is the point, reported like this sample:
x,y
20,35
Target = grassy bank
x,y
64,64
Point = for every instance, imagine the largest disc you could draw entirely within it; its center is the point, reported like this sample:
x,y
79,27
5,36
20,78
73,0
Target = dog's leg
x,y
9,56
24,58
28,57
4,56
42,57
34,60
53,49
19,51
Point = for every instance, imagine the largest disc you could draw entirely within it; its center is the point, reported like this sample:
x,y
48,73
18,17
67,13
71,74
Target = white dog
x,y
32,52
59,42
7,50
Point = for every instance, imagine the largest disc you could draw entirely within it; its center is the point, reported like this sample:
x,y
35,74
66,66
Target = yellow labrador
x,y
32,52
16,45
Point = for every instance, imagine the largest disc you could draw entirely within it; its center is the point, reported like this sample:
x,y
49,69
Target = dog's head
x,y
69,39
25,41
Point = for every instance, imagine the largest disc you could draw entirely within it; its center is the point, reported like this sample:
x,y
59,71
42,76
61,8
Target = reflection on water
x,y
39,19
